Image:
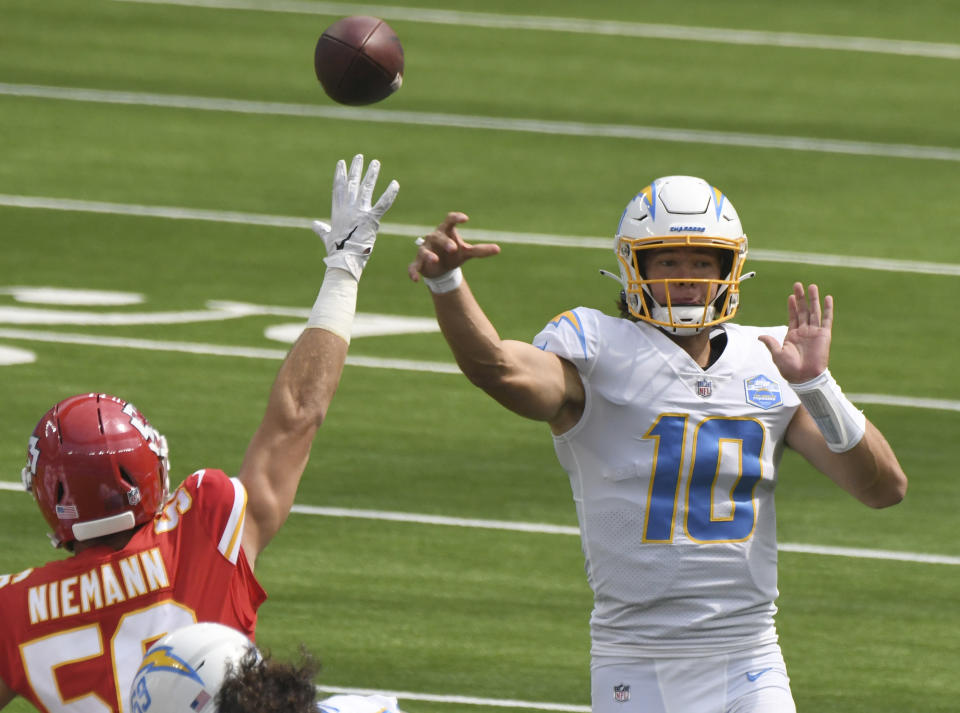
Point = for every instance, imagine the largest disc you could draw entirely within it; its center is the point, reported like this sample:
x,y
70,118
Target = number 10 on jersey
x,y
706,519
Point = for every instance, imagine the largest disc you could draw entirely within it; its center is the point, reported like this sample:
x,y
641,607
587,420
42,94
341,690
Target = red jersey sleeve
x,y
214,508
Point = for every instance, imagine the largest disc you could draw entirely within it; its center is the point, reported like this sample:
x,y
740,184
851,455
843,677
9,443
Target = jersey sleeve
x,y
223,502
218,510
571,335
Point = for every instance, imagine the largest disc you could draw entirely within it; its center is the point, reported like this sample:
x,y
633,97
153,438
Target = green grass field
x,y
466,618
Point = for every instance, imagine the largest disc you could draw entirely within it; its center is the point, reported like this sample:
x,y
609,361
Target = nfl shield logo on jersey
x,y
704,388
621,693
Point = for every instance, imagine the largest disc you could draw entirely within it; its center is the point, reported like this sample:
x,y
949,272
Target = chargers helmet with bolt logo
x,y
183,671
680,211
96,466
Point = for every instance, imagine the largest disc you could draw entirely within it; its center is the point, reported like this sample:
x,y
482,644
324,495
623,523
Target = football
x,y
359,60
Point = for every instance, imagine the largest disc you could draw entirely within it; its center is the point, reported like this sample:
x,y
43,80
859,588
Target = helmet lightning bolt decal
x,y
718,199
650,193
34,454
160,658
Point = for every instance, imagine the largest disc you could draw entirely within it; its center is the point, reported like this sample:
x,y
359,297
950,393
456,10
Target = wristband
x,y
336,303
447,282
840,422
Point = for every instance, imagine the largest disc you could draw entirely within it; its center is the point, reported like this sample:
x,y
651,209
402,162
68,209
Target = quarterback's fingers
x,y
827,321
386,200
770,343
445,236
813,298
449,227
483,250
450,223
793,319
423,257
803,312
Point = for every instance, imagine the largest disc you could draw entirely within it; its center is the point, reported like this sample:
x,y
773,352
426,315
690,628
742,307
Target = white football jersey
x,y
673,469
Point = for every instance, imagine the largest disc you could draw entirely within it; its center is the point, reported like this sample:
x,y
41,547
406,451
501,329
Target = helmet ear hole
x,y
126,477
60,492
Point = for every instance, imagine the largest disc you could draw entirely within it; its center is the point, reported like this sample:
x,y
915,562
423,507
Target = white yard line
x,y
547,529
214,350
404,696
459,121
157,345
500,236
685,33
542,528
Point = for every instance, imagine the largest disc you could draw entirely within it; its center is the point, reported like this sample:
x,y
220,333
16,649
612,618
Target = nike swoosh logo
x,y
339,246
757,674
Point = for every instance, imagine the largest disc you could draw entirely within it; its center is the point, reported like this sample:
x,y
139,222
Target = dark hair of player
x,y
263,685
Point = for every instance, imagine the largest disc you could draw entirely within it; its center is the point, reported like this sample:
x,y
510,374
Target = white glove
x,y
349,241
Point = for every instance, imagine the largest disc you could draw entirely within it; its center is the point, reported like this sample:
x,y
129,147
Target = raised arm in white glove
x,y
349,241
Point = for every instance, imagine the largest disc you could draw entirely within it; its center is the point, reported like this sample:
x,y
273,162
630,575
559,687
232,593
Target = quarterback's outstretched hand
x,y
444,250
806,348
349,240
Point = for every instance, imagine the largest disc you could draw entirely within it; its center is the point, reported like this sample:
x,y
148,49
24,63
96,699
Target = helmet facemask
x,y
723,293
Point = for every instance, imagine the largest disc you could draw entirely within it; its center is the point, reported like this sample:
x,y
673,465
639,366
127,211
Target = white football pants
x,y
752,681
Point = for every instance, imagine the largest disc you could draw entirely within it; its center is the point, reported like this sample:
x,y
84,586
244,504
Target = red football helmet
x,y
96,467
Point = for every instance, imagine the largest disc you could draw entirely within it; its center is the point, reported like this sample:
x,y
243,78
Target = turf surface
x,y
462,611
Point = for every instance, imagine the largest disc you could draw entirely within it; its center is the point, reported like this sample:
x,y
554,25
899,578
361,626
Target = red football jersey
x,y
74,631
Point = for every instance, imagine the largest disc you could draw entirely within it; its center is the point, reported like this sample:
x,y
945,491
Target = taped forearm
x,y
840,422
336,304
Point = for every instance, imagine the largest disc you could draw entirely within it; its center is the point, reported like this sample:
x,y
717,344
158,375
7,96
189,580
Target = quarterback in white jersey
x,y
707,529
671,422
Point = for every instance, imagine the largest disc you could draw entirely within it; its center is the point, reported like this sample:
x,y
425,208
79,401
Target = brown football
x,y
359,60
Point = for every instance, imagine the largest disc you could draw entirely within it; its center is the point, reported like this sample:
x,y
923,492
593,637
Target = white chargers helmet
x,y
680,211
182,672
